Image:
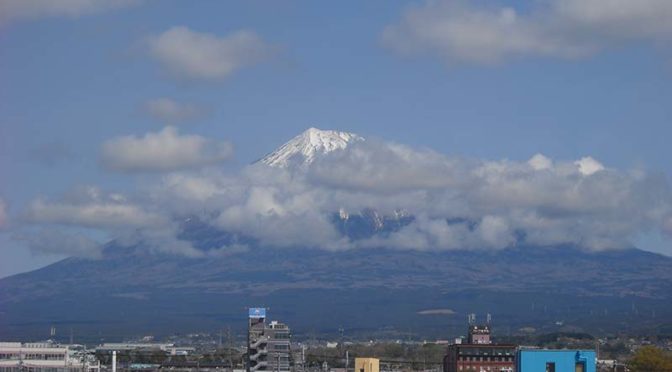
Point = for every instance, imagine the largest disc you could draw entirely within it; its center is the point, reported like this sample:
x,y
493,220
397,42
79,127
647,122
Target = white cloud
x,y
94,210
110,214
459,31
12,10
386,167
3,213
53,241
195,55
540,162
667,226
169,111
162,151
588,166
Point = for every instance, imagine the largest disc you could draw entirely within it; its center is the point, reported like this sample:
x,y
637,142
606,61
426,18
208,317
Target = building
x,y
543,360
367,365
480,358
45,356
268,345
168,348
479,354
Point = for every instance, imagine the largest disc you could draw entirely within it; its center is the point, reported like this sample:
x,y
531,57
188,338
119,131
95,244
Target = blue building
x,y
544,360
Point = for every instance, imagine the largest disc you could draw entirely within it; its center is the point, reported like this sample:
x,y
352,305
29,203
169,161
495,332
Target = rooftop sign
x,y
257,312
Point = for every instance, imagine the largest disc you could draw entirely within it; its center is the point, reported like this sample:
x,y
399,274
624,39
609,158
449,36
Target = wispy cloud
x,y
15,10
3,213
203,56
170,111
459,31
166,150
57,241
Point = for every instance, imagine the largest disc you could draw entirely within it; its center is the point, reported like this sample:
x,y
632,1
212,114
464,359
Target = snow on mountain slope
x,y
304,148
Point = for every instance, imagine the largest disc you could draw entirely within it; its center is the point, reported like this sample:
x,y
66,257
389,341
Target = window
x,y
550,366
580,367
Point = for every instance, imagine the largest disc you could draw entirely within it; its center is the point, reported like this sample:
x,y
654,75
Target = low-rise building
x,y
480,358
545,360
479,354
45,356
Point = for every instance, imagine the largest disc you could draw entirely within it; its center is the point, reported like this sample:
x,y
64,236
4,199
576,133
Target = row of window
x,y
40,369
32,356
486,359
486,369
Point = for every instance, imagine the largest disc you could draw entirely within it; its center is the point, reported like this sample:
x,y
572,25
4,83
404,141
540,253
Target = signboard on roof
x,y
257,312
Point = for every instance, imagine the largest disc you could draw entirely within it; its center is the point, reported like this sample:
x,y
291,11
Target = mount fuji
x,y
307,146
135,291
301,151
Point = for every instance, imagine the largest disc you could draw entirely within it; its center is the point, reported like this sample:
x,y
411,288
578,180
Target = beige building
x,y
367,365
44,356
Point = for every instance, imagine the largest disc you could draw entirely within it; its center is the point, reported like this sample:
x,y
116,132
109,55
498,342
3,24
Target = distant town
x,y
270,346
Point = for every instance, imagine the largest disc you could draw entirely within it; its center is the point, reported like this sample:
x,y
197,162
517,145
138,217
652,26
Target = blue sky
x,y
77,77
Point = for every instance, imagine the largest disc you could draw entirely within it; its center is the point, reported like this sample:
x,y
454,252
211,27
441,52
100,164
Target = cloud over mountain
x,y
453,203
166,150
57,241
202,56
460,31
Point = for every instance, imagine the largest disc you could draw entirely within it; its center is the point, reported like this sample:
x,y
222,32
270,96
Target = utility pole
x,y
347,360
229,346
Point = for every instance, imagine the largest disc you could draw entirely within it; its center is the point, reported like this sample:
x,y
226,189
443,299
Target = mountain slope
x,y
304,148
132,291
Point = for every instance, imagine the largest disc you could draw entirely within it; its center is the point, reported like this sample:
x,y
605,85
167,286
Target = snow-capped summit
x,y
304,148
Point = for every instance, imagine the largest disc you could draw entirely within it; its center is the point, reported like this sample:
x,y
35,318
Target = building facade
x,y
367,365
543,360
268,345
479,354
45,356
480,358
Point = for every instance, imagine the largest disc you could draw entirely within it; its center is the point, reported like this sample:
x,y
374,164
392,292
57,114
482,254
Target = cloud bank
x,y
162,151
461,32
455,203
202,56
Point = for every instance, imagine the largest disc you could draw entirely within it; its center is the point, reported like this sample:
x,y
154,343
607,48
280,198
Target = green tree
x,y
650,359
